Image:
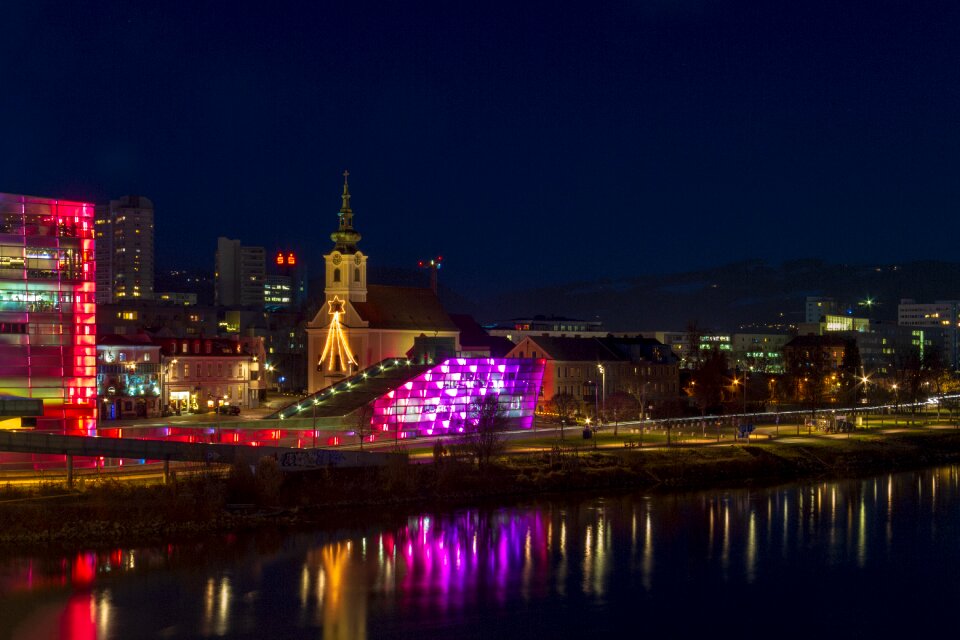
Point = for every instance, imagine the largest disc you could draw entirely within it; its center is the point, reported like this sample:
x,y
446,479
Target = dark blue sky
x,y
593,139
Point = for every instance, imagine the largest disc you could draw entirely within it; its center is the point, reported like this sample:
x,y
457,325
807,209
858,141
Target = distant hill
x,y
724,297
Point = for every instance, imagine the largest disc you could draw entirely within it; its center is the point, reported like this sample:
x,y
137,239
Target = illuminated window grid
x,y
439,401
53,296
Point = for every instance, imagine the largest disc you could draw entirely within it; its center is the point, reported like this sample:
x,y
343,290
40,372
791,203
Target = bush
x,y
269,479
241,484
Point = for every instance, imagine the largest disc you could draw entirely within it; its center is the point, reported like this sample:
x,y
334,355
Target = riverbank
x,y
110,512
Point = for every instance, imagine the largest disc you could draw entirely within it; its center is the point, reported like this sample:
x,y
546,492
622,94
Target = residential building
x,y
48,308
593,369
124,249
203,373
158,318
239,276
129,377
175,298
815,352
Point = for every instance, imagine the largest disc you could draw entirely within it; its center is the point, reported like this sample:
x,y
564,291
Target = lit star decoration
x,y
336,344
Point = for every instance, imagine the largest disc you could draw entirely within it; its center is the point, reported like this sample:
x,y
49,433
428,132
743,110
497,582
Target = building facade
x,y
239,275
594,369
942,315
129,377
204,373
761,352
124,249
48,308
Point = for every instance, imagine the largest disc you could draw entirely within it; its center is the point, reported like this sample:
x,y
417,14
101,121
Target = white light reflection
x,y
562,568
862,535
223,612
647,571
725,548
104,607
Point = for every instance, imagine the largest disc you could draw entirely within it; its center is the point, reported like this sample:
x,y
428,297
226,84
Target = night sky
x,y
602,139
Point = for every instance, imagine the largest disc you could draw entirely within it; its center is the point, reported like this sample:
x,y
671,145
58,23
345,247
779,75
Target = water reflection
x,y
440,573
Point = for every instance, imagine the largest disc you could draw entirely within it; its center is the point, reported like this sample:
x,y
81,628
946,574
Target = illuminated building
x,y
203,373
48,307
943,315
277,292
440,400
816,353
517,329
642,367
761,352
410,400
124,249
239,275
128,377
377,322
177,298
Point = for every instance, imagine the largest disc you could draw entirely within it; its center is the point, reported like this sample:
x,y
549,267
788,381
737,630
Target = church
x,y
360,325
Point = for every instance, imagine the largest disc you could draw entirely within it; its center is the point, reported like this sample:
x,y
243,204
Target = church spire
x,y
345,197
345,237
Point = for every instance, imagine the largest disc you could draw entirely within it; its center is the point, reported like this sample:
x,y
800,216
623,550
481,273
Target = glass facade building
x,y
48,308
442,399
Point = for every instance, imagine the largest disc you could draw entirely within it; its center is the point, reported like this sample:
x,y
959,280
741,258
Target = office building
x,y
943,315
48,308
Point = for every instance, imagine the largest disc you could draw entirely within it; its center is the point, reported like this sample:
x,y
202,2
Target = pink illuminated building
x,y
48,309
441,400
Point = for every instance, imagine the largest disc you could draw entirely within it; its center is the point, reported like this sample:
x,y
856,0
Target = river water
x,y
863,557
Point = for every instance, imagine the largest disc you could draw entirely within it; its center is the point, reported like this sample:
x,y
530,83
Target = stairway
x,y
350,394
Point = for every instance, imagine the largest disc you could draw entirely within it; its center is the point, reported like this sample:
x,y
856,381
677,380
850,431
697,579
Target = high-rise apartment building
x,y
240,273
48,308
124,235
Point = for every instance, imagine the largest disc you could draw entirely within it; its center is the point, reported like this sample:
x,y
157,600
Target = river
x,y
855,557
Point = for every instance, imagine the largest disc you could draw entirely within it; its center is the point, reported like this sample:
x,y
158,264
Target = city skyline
x,y
678,136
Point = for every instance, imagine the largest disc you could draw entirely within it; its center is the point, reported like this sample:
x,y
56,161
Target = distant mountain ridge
x,y
724,297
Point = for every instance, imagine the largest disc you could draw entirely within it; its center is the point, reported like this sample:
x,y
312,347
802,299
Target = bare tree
x,y
621,405
707,382
849,372
484,430
694,334
565,405
364,422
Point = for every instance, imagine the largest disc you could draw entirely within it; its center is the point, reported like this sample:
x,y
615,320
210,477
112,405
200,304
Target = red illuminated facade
x,y
48,309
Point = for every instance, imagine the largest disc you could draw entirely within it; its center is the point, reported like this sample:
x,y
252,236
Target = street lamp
x,y
896,407
603,377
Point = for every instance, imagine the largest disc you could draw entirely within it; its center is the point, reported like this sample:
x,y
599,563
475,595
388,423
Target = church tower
x,y
346,266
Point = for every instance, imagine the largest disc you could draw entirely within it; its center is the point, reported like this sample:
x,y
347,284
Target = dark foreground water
x,y
876,557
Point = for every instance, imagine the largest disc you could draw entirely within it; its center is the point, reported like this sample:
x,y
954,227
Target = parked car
x,y
229,409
